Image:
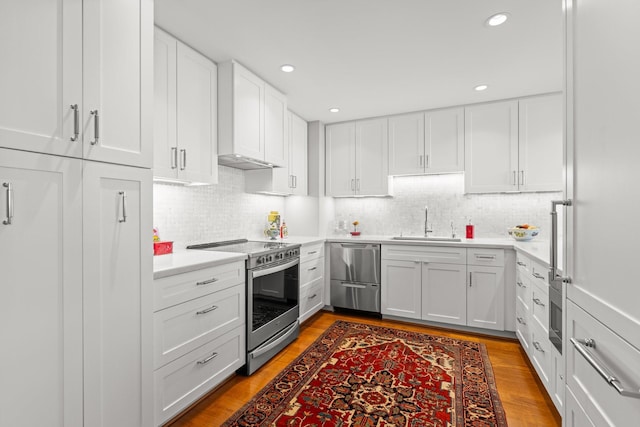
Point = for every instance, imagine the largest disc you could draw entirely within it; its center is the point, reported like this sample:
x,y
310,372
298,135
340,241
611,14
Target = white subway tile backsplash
x,y
444,195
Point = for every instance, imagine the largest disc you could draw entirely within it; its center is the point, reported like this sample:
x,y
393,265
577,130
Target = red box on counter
x,y
162,248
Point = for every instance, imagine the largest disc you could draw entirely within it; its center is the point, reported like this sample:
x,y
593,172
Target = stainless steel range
x,y
273,283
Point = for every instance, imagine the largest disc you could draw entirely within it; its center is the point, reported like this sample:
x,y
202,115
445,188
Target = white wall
x,y
491,214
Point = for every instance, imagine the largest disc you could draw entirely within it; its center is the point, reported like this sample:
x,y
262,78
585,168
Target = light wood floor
x,y
523,396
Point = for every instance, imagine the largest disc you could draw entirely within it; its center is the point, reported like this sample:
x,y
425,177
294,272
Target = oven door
x,y
272,300
555,318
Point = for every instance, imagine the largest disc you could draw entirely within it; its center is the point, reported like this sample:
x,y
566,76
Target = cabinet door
x,y
118,81
406,144
117,273
341,159
540,149
248,114
41,76
165,145
444,141
444,293
401,288
276,144
197,116
491,147
41,290
485,297
298,155
372,158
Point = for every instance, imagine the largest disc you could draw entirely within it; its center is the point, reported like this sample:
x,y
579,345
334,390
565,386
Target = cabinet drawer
x,y
602,403
522,326
311,270
540,354
489,257
540,306
184,327
439,254
311,298
523,263
173,290
523,290
181,382
313,251
540,273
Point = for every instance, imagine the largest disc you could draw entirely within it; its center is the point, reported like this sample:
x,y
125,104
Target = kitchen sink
x,y
428,239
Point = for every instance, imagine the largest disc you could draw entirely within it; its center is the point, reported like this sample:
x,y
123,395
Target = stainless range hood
x,y
241,162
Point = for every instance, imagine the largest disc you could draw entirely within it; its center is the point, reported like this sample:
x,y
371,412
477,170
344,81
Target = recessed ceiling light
x,y
334,110
480,88
497,19
287,68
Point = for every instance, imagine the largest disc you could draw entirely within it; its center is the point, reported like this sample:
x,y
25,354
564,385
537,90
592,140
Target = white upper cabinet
x,y
357,158
251,119
298,155
491,147
41,76
429,142
540,157
514,145
79,82
185,121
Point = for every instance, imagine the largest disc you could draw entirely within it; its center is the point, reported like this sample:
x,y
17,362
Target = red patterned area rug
x,y
366,376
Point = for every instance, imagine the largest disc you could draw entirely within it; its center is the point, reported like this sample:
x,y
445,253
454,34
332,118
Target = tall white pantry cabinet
x,y
75,213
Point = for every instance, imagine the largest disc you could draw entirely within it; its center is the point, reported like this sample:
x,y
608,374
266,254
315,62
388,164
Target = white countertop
x,y
189,260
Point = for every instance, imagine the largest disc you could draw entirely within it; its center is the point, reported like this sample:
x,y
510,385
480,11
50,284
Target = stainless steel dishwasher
x,y
355,276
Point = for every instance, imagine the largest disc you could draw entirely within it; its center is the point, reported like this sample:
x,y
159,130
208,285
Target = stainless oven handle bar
x,y
581,346
259,273
554,275
262,350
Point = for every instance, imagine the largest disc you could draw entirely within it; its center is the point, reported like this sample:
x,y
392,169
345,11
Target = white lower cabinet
x,y
117,297
311,280
199,334
441,284
41,290
600,401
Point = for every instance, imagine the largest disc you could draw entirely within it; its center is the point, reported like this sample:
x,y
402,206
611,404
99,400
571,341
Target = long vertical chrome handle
x,y
76,122
521,180
426,160
353,187
96,127
174,157
295,181
123,195
9,190
470,278
514,178
554,277
420,160
183,159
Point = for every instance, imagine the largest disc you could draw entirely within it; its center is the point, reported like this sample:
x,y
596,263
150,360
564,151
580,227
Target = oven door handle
x,y
262,350
259,273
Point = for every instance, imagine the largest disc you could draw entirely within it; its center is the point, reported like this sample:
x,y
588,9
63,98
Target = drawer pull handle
x,y
9,193
522,285
538,276
538,302
207,360
207,282
485,256
521,321
581,346
312,268
313,296
76,122
538,347
96,126
521,263
312,252
207,310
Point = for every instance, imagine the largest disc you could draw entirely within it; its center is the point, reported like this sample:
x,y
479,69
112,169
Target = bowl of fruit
x,y
523,232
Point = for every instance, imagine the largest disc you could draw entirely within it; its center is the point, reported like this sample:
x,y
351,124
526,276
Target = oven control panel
x,y
276,256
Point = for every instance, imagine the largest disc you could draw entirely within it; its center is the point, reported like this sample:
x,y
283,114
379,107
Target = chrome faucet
x,y
426,222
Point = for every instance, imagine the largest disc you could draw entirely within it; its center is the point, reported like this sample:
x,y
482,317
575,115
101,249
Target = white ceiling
x,y
378,57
